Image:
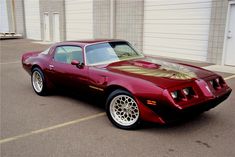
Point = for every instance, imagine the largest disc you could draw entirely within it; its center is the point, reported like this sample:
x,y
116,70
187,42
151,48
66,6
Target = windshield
x,y
105,53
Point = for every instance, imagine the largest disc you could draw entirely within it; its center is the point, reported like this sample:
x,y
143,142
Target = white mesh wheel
x,y
37,81
124,110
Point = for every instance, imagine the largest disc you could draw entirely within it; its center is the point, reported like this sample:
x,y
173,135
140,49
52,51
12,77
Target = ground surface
x,y
67,125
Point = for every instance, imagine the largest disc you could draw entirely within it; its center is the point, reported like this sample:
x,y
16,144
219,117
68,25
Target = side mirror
x,y
77,63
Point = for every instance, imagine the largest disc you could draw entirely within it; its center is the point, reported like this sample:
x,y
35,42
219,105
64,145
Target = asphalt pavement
x,y
68,125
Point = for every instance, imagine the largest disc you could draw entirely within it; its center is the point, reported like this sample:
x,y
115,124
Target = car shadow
x,y
185,121
88,98
97,101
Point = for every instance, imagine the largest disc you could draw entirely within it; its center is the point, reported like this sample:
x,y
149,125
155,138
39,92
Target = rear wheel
x,y
122,110
38,82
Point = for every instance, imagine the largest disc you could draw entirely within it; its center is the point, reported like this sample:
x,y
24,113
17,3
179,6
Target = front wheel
x,y
38,82
122,110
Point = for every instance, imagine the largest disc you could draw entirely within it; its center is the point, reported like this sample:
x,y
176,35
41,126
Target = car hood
x,y
165,74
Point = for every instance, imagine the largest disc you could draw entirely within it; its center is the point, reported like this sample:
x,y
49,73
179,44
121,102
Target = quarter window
x,y
66,54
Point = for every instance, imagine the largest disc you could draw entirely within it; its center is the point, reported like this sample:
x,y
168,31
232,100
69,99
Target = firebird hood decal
x,y
165,69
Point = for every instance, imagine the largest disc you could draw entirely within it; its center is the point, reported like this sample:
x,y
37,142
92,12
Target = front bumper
x,y
170,114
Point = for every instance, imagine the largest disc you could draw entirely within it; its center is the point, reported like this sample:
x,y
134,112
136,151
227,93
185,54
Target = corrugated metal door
x,y
230,53
56,25
79,19
32,19
177,28
4,17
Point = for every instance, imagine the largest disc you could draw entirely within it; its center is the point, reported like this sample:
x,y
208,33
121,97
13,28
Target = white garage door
x,y
3,17
32,19
79,19
177,28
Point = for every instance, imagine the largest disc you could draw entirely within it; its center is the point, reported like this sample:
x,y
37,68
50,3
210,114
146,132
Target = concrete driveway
x,y
69,125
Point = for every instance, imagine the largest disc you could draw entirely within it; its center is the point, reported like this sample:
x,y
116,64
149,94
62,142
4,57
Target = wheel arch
x,y
114,87
50,85
36,66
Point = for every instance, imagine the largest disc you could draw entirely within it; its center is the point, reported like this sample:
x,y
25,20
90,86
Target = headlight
x,y
174,94
186,91
183,94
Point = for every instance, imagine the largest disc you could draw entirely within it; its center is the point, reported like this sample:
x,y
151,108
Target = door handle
x,y
51,67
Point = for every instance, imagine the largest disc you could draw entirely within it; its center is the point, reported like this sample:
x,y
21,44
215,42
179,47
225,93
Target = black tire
x,y
115,95
43,91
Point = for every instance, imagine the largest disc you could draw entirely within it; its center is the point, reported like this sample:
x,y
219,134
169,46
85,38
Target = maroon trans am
x,y
136,87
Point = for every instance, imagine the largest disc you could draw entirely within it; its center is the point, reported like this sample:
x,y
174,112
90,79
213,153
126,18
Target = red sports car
x,y
136,87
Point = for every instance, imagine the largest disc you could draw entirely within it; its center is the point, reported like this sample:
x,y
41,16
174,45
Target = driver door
x,y
62,72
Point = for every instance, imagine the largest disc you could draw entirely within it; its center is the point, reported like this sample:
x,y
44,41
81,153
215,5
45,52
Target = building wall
x,y
4,25
92,19
79,19
129,21
101,17
217,31
19,17
32,19
11,16
178,29
52,6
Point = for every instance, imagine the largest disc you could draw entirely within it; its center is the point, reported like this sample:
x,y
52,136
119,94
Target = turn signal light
x,y
151,102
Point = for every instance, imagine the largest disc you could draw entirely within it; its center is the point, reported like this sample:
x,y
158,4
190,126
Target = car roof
x,y
87,42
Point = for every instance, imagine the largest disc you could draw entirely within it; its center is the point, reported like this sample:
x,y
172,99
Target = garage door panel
x,y
169,54
177,50
79,19
177,28
172,6
80,12
182,14
174,2
179,21
32,19
81,27
82,20
177,36
183,29
198,45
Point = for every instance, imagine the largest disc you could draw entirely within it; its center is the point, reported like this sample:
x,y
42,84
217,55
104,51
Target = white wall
x,y
79,19
4,24
32,19
177,28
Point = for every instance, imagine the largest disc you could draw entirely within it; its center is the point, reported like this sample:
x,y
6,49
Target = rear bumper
x,y
169,114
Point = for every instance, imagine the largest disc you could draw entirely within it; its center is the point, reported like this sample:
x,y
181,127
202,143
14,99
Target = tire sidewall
x,y
43,91
108,102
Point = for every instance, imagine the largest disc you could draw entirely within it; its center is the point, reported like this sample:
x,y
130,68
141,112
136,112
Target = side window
x,y
66,54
